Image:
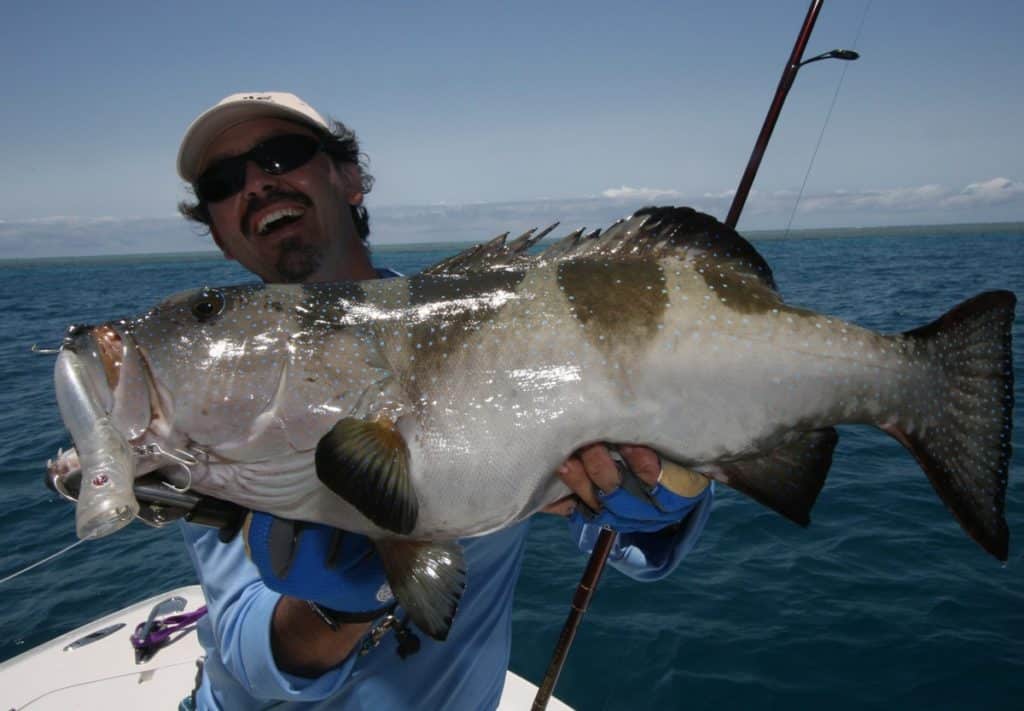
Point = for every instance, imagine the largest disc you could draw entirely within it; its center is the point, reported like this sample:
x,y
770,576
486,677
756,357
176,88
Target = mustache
x,y
263,201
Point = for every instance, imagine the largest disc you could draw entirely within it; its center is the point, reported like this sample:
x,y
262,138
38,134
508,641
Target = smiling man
x,y
304,620
308,225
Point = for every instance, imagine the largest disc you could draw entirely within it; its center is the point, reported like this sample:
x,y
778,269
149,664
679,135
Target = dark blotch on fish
x,y
618,304
471,304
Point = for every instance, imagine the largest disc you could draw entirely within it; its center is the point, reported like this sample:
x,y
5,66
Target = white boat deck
x,y
103,675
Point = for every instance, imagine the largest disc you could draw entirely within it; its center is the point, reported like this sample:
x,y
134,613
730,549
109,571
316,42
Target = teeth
x,y
263,226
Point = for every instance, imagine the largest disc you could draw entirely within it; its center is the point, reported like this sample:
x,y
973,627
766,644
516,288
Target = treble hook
x,y
180,457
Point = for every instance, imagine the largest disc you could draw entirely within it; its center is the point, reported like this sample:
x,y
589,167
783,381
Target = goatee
x,y
297,261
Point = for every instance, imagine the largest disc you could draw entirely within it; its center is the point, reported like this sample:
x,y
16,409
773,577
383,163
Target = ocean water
x,y
883,602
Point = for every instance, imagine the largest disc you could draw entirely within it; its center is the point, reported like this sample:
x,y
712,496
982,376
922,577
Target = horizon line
x,y
766,234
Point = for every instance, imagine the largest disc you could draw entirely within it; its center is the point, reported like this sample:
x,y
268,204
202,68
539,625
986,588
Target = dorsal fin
x,y
651,232
564,245
495,253
663,231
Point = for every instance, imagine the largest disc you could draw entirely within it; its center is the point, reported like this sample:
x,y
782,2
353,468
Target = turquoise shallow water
x,y
881,603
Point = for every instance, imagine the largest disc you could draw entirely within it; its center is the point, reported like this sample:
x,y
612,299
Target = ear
x,y
352,182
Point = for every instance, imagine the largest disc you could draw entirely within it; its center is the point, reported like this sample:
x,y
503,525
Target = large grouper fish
x,y
425,409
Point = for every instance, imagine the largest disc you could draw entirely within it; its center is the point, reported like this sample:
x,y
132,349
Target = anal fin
x,y
427,578
786,479
367,464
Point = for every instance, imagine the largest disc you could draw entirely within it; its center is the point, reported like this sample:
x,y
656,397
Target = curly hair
x,y
341,144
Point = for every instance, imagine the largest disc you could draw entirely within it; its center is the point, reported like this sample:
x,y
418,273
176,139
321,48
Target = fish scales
x,y
430,408
613,387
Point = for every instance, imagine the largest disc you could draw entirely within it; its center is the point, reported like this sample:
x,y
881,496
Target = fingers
x,y
600,468
574,476
592,468
644,462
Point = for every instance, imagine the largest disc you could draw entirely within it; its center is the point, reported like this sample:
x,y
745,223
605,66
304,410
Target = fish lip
x,y
158,429
110,349
113,368
160,403
81,342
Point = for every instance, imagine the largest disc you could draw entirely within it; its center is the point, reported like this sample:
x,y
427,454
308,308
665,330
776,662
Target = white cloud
x,y
722,195
989,192
940,198
628,193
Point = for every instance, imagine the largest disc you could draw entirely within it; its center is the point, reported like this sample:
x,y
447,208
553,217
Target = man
x,y
281,191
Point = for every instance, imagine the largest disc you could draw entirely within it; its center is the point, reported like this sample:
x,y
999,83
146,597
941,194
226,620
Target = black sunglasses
x,y
274,156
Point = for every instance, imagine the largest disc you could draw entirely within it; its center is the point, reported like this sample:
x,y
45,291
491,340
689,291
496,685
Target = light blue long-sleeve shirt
x,y
466,671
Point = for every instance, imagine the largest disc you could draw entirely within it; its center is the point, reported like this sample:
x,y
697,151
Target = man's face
x,y
294,227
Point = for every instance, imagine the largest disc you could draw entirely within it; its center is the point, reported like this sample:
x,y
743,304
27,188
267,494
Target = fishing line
x,y
47,559
828,117
136,672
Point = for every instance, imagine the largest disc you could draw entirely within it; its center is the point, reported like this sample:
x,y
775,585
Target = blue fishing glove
x,y
338,571
626,512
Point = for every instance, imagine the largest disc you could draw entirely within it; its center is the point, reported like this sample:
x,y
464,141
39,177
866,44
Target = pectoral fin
x,y
367,464
786,479
427,578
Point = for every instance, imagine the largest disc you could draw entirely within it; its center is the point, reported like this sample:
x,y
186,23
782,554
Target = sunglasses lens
x,y
274,156
283,153
221,181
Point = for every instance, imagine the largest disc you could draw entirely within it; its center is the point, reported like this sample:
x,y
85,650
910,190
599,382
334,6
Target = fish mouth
x,y
120,380
147,394
99,358
110,349
112,383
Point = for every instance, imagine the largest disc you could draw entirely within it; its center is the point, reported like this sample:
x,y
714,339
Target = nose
x,y
256,181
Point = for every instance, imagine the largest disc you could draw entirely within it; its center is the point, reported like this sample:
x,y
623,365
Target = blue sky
x,y
568,110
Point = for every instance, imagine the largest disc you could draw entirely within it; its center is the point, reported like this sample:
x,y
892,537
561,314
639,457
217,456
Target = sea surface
x,y
882,603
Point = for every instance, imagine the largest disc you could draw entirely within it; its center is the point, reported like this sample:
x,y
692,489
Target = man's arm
x,y
333,587
304,645
252,628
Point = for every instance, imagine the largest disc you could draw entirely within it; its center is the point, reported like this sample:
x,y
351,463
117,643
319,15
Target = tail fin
x,y
963,441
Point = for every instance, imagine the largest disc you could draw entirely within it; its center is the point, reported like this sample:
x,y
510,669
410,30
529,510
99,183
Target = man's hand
x,y
338,571
333,568
599,496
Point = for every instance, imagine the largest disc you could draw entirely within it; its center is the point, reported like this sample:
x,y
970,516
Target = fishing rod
x,y
605,540
793,65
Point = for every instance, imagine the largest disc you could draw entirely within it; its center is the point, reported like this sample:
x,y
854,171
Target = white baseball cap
x,y
233,110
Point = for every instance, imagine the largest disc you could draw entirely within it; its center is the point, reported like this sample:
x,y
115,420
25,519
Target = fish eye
x,y
209,303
